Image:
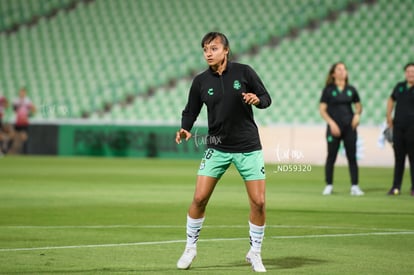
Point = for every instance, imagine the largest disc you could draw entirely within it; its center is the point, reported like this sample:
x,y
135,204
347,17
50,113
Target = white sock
x,y
193,230
256,237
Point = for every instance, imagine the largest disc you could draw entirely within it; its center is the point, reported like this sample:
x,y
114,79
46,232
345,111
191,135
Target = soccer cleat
x,y
187,258
394,192
256,261
356,191
328,190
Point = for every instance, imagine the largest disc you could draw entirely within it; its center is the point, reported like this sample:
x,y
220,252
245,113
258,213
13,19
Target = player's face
x,y
409,74
214,52
22,93
340,73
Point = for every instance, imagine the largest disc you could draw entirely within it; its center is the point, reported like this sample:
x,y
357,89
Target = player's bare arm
x,y
357,114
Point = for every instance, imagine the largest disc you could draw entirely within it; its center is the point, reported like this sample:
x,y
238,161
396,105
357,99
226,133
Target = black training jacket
x,y
231,126
340,103
404,110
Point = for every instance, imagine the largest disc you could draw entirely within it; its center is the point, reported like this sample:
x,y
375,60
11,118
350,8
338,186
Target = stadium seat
x,y
102,52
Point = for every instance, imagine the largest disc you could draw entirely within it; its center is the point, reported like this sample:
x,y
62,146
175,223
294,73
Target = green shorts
x,y
250,165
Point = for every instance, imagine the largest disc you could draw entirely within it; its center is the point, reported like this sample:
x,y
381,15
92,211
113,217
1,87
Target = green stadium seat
x,y
102,52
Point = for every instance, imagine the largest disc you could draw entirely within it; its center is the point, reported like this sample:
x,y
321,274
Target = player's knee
x,y
258,204
200,201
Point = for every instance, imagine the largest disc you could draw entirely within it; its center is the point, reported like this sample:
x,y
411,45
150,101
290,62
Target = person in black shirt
x,y
229,90
402,127
336,109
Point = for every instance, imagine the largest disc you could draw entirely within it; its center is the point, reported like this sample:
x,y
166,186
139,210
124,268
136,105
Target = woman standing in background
x,y
335,107
402,127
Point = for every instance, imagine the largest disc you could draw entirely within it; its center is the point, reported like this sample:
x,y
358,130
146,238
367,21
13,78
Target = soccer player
x,y
24,108
229,90
335,107
402,127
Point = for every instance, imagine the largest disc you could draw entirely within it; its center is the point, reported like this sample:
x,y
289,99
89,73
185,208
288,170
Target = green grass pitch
x,y
127,216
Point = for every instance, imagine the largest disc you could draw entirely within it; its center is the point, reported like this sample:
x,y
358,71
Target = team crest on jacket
x,y
236,85
210,91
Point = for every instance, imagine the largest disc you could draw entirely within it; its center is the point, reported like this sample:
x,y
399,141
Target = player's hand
x,y
182,134
390,123
250,98
335,131
355,121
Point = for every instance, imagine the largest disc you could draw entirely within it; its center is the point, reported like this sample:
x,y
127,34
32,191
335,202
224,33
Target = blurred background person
x,y
23,108
3,130
335,107
402,125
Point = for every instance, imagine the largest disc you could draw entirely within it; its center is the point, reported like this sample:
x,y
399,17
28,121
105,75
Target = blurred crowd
x,y
14,134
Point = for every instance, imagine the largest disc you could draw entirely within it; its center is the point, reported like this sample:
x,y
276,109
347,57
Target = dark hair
x,y
408,65
330,79
213,35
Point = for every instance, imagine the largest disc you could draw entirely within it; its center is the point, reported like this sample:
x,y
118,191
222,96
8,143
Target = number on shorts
x,y
208,153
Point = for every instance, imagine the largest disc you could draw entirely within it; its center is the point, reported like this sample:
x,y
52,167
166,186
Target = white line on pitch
x,y
114,226
344,235
204,240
